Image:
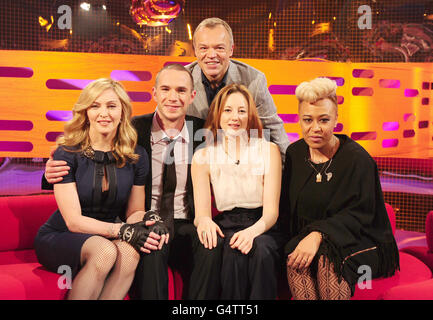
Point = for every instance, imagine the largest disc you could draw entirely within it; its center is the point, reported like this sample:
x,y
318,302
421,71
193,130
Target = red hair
x,y
217,106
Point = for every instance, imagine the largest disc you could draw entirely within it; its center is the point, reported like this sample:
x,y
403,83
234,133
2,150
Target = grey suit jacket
x,y
256,83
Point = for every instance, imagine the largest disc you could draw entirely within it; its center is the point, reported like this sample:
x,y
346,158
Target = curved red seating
x,y
419,290
413,272
425,254
21,276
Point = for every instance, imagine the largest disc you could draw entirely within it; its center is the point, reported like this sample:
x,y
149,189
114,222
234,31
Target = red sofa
x,y
21,276
420,290
413,272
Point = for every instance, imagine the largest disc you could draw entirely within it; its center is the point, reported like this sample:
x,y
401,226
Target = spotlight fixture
x,y
155,13
44,23
85,6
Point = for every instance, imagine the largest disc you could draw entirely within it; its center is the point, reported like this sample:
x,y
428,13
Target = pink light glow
x,y
390,126
410,93
390,143
389,83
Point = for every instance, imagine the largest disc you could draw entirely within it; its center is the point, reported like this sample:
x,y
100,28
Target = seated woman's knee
x,y
263,248
127,257
103,258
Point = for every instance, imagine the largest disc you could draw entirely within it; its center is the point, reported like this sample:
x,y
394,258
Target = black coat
x,y
353,215
143,125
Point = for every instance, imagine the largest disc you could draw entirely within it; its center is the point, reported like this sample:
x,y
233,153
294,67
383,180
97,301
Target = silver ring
x,y
203,234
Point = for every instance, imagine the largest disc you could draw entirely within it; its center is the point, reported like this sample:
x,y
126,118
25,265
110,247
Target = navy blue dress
x,y
54,244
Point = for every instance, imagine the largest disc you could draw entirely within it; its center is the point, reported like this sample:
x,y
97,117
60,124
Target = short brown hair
x,y
217,106
175,66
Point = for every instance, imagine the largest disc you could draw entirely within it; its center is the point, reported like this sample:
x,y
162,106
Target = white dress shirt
x,y
159,143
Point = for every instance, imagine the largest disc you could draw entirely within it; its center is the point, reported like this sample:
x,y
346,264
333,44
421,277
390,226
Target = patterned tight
x,y
324,286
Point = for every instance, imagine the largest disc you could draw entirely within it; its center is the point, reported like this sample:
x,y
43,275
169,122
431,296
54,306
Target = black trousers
x,y
254,275
200,267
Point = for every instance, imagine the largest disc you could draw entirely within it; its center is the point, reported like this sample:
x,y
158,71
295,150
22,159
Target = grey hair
x,y
212,23
317,89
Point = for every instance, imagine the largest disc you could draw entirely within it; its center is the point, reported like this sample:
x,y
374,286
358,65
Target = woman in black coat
x,y
332,205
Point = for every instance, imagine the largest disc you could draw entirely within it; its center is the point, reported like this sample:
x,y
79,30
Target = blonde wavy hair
x,y
317,89
76,131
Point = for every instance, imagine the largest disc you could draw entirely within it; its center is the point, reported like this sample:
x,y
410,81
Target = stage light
x,y
155,13
42,22
104,7
321,28
271,40
45,23
189,31
85,6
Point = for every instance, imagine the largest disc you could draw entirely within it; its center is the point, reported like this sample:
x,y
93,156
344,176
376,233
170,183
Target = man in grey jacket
x,y
213,47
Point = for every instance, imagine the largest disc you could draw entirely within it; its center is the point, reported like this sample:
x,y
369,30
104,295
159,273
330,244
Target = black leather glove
x,y
158,227
135,234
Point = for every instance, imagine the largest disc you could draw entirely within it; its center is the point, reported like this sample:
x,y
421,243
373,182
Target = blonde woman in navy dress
x,y
244,172
106,180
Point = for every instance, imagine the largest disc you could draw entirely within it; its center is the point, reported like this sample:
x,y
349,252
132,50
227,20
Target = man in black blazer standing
x,y
200,267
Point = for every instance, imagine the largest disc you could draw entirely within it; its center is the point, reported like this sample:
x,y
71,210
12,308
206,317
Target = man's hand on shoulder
x,y
55,170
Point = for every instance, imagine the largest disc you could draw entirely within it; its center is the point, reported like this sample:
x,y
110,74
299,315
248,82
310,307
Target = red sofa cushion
x,y
391,216
414,291
18,256
21,218
411,271
425,254
429,231
422,253
29,281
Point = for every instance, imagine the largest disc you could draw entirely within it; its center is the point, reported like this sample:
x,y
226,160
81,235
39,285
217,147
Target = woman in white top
x,y
244,172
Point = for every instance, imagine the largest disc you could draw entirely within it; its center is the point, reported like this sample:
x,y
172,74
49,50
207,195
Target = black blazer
x,y
143,125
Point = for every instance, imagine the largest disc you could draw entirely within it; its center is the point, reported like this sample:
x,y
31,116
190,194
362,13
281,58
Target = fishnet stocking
x,y
98,256
328,285
120,279
325,286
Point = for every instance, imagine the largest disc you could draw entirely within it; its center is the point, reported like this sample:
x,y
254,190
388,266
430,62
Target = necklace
x,y
236,161
319,173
